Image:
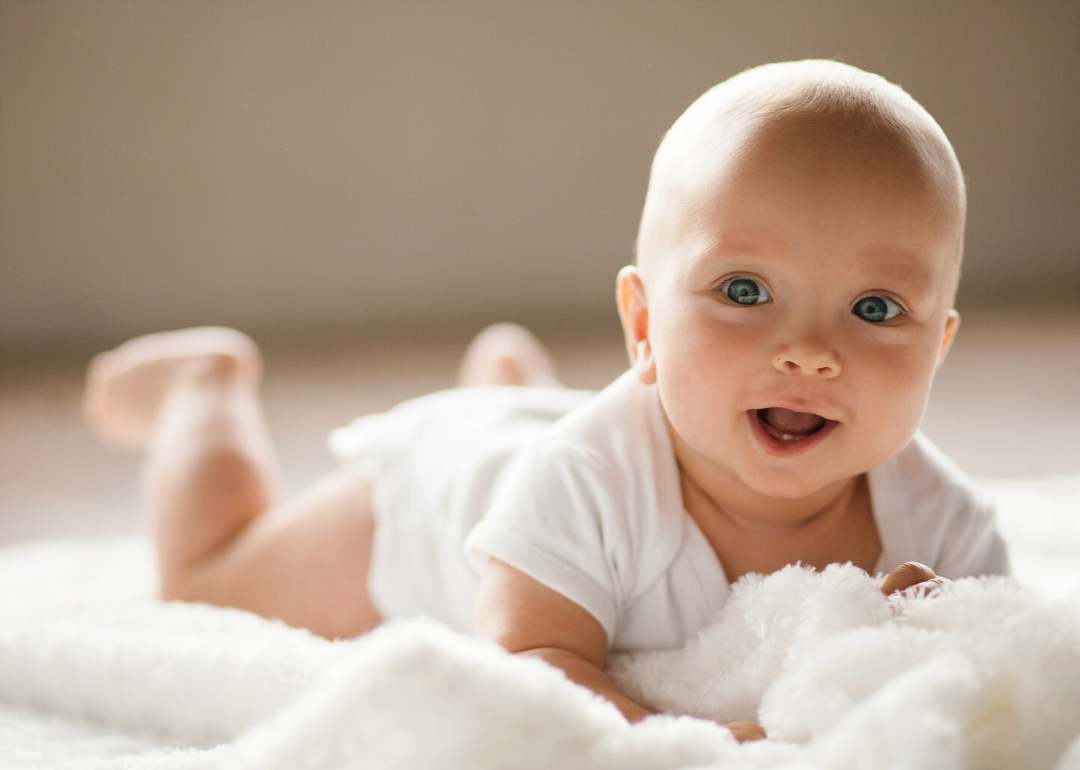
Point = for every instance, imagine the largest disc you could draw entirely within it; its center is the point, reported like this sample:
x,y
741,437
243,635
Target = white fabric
x,y
594,511
94,674
434,462
592,508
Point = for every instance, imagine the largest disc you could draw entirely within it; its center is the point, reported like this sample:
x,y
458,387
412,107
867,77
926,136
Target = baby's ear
x,y
634,314
952,323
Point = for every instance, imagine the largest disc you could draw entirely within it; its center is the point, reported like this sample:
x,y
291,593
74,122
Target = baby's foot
x,y
125,387
507,354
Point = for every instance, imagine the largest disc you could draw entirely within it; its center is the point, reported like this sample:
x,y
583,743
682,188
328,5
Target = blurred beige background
x,y
362,185
289,167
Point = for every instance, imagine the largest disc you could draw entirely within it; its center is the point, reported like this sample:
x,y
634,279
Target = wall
x,y
291,166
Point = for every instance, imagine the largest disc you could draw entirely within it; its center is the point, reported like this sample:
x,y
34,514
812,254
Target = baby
x,y
797,261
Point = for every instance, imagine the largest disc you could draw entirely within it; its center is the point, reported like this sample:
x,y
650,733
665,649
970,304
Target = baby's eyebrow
x,y
903,270
741,247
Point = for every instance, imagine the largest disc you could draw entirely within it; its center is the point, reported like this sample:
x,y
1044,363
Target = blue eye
x,y
876,309
746,291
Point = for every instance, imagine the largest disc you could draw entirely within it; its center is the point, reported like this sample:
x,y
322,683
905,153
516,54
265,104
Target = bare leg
x,y
210,475
507,354
209,481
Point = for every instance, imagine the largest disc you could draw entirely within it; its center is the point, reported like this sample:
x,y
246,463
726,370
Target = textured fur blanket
x,y
95,674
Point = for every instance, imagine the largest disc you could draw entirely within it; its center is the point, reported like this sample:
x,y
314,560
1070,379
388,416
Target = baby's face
x,y
798,304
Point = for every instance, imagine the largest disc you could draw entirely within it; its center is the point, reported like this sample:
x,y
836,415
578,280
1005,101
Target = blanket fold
x,y
94,673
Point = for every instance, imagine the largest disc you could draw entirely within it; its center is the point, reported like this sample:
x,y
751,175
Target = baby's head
x,y
797,262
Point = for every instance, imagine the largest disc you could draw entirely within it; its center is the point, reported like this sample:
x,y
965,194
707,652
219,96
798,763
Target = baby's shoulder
x,y
928,481
619,434
625,411
928,510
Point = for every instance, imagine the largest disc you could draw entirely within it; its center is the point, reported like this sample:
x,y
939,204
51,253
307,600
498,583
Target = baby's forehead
x,y
717,139
791,152
780,119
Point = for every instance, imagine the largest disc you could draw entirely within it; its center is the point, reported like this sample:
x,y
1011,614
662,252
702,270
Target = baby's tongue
x,y
787,421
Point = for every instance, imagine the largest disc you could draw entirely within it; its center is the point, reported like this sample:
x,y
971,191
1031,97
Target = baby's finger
x,y
746,731
906,575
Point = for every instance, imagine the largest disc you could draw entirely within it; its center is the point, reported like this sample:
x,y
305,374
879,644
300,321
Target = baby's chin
x,y
789,484
798,478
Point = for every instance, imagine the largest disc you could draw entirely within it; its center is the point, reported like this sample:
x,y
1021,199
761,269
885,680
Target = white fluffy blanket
x,y
95,674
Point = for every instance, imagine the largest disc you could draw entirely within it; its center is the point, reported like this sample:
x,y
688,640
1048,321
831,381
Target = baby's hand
x,y
909,575
746,731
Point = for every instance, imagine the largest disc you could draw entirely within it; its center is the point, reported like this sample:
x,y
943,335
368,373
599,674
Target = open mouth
x,y
786,425
785,430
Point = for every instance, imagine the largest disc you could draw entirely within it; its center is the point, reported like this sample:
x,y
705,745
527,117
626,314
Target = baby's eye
x,y
876,309
746,291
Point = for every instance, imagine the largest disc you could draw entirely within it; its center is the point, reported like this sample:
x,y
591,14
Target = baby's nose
x,y
807,360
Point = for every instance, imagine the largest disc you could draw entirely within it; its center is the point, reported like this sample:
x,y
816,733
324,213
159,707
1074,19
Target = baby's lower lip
x,y
779,444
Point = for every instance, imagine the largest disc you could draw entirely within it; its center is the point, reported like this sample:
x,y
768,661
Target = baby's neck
x,y
752,510
755,533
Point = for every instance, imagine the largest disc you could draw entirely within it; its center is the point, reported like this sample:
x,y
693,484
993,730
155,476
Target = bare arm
x,y
528,618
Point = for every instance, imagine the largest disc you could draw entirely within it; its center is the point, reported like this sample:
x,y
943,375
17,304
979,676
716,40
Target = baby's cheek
x,y
696,393
700,351
698,390
892,396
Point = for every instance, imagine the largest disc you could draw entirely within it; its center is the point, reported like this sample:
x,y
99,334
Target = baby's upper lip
x,y
798,405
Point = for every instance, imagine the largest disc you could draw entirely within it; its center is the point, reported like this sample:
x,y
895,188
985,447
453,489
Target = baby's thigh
x,y
306,561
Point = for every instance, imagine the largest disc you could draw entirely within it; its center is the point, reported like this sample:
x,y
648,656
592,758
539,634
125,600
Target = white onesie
x,y
591,507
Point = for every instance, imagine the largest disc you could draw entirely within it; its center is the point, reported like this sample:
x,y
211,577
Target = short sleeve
x,y
927,510
972,545
557,516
